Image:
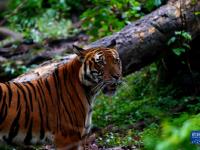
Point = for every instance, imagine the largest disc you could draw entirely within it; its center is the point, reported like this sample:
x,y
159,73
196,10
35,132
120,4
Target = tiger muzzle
x,y
111,87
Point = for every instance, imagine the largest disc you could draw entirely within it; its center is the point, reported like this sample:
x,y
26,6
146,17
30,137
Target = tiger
x,y
57,109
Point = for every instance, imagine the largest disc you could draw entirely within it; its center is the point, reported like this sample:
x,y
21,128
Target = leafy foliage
x,y
175,134
151,4
116,139
107,17
180,41
47,26
38,19
197,13
14,69
144,113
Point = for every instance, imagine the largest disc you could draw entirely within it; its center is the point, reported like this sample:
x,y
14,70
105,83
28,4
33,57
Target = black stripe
x,y
77,126
30,99
43,94
1,93
18,99
87,94
65,117
34,90
68,113
9,93
4,109
14,127
85,67
40,111
40,95
86,77
90,67
79,99
77,95
61,97
28,137
27,109
49,90
45,102
93,59
58,96
56,82
64,105
69,99
74,90
41,122
90,111
47,85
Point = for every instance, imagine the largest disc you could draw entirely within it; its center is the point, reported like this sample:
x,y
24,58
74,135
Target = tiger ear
x,y
79,51
112,44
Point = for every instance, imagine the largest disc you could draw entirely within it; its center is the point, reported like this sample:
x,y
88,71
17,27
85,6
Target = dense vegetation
x,y
145,113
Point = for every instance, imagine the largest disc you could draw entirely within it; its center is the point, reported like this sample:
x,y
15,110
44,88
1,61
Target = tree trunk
x,y
143,41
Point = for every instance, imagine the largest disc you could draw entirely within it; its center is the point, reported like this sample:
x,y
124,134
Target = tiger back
x,y
57,109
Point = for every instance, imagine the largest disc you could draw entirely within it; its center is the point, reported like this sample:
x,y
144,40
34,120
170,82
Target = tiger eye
x,y
116,61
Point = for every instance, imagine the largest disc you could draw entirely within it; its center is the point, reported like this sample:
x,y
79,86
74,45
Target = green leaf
x,y
197,13
187,36
186,45
171,40
178,32
157,2
178,51
184,34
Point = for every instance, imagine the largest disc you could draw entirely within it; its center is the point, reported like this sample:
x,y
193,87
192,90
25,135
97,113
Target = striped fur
x,y
57,109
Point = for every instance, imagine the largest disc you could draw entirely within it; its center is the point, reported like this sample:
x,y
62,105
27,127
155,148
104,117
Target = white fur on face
x,y
99,57
115,55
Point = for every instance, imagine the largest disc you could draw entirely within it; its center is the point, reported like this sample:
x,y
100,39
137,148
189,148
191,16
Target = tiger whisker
x,y
125,85
114,82
97,87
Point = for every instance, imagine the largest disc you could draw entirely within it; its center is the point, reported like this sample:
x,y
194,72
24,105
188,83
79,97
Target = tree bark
x,y
144,41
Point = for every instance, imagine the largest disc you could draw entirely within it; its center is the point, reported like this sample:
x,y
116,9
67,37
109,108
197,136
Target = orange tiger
x,y
57,109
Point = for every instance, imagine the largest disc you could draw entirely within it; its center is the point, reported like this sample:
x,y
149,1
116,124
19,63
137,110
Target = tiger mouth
x,y
110,89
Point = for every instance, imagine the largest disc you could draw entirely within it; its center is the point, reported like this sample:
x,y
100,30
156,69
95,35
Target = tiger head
x,y
101,69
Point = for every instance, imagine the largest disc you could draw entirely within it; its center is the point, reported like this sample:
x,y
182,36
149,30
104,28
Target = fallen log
x,y
143,41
